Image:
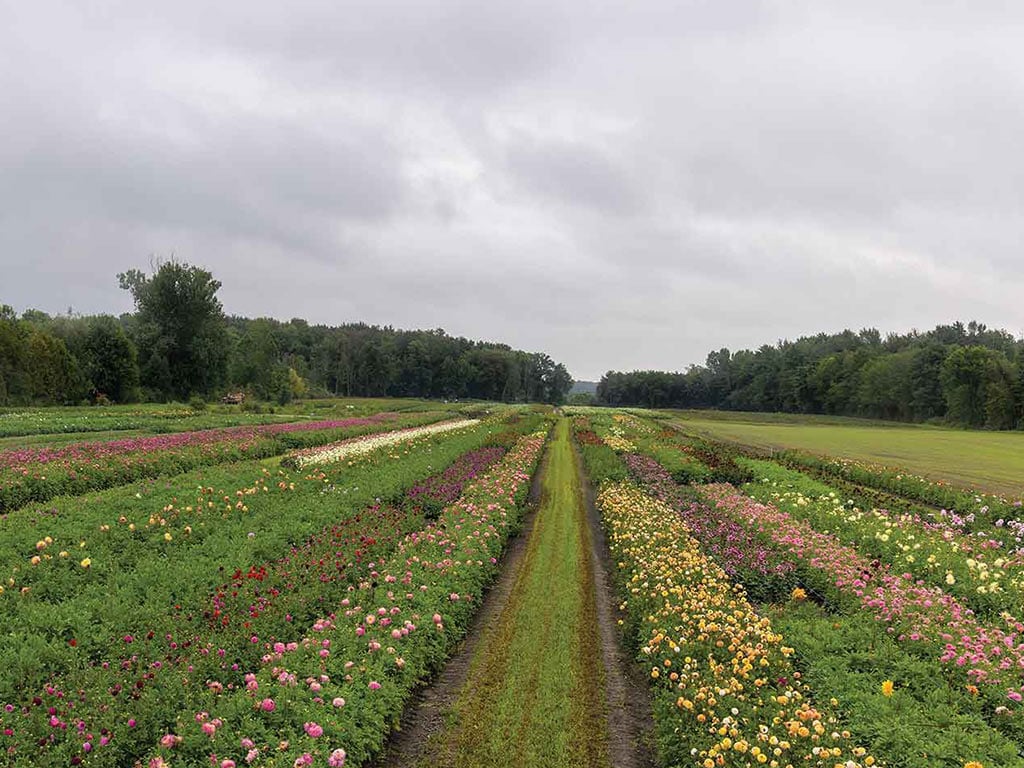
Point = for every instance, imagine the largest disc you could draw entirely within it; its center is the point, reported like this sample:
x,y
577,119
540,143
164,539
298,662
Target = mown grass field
x,y
991,461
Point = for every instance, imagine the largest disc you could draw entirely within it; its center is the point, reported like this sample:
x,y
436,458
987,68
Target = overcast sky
x,y
620,185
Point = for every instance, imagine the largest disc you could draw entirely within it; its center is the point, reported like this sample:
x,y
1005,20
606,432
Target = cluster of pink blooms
x,y
914,611
359,649
97,449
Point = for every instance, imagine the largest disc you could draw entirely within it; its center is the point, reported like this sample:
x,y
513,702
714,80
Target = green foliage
x,y
179,329
968,375
110,360
600,461
968,502
78,471
178,343
150,579
928,722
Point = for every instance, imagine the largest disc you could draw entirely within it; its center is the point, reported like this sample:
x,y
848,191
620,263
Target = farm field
x,y
56,425
992,461
287,608
158,600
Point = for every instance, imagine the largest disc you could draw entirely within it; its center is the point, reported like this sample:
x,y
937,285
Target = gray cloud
x,y
620,185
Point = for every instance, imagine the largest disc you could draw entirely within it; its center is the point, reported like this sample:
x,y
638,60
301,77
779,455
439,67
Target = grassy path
x,y
534,694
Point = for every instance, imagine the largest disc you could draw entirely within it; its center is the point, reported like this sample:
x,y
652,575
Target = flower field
x,y
130,613
888,613
38,474
726,691
273,595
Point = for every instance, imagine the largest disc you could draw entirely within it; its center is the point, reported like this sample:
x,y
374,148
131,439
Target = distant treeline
x,y
178,345
959,374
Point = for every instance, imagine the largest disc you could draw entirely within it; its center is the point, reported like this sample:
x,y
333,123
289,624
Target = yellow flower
x,y
887,687
973,764
798,594
86,563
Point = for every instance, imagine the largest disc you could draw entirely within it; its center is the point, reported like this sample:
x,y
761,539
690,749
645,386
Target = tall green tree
x,y
179,329
110,360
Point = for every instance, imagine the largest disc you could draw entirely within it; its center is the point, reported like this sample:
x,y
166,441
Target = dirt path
x,y
542,679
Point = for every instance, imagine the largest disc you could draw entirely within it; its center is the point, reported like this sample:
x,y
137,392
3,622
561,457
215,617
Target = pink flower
x,y
313,730
337,758
374,685
338,702
227,763
268,705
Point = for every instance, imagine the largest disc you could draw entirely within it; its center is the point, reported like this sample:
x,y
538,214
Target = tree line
x,y
178,345
958,374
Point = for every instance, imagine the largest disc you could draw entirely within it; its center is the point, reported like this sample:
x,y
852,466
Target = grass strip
x,y
535,691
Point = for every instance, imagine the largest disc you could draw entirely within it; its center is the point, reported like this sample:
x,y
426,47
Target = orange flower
x,y
887,687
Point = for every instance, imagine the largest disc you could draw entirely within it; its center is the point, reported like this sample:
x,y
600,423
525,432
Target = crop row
x,y
974,566
326,454
849,652
961,503
40,474
145,657
330,697
141,554
725,689
988,657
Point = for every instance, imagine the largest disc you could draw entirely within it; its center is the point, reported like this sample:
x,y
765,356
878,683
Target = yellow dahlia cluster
x,y
738,700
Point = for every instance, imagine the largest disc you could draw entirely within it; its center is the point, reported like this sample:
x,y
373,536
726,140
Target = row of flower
x,y
851,653
189,639
767,566
344,449
40,474
988,656
725,689
330,698
985,508
976,567
131,563
163,418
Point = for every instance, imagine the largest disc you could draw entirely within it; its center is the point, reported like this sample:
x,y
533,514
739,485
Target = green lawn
x,y
990,461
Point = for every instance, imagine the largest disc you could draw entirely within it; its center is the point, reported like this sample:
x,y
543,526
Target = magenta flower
x,y
313,730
